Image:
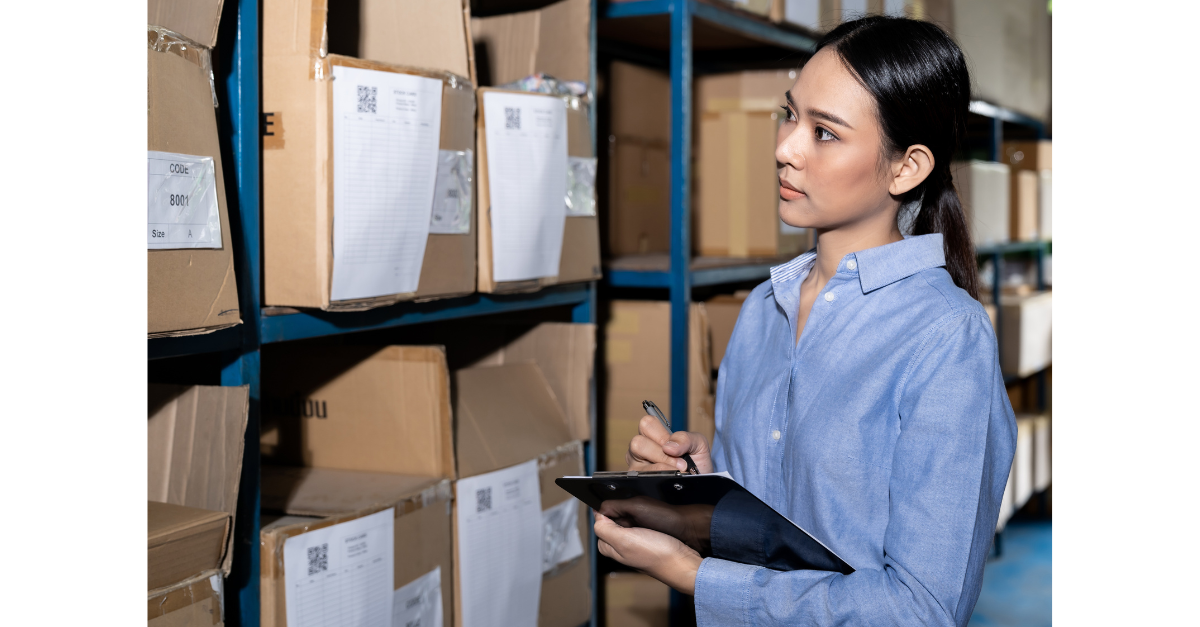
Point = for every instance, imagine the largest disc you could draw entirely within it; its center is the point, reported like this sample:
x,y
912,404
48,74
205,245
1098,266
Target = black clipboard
x,y
668,500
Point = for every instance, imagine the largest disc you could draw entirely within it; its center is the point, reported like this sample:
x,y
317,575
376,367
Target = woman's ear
x,y
911,170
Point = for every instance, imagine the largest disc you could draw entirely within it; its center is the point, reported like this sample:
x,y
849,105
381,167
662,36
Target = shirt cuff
x,y
723,593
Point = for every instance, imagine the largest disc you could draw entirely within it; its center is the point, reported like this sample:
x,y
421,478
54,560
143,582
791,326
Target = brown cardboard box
x,y
1045,204
636,600
507,416
1023,461
316,499
552,40
637,356
1041,453
722,316
983,187
1027,331
370,409
183,542
737,188
1036,156
639,198
195,437
195,19
191,291
1008,49
298,147
196,602
1023,214
580,259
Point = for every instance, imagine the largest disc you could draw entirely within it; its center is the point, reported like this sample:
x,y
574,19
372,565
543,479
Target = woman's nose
x,y
790,151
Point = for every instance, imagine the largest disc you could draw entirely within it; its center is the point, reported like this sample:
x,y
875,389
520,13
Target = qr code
x,y
512,118
366,99
318,559
483,500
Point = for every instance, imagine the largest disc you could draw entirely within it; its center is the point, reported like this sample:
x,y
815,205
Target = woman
x,y
861,393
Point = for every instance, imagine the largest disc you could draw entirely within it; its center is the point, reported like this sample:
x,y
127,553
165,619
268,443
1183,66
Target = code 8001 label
x,y
181,198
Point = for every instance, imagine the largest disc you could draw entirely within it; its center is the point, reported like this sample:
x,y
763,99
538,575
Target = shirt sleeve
x,y
951,462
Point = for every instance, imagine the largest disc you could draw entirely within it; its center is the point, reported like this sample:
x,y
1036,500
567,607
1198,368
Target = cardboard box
x,y
552,40
195,437
183,542
507,416
983,188
636,600
760,7
1008,49
816,15
1023,461
737,186
639,145
722,316
317,499
190,290
637,357
420,38
824,15
195,19
197,602
1027,332
1035,156
1045,202
1041,453
1023,216
580,258
361,408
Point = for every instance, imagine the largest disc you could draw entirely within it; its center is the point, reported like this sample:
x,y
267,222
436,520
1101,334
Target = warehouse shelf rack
x,y
238,84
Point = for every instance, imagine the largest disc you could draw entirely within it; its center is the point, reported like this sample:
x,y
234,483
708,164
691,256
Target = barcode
x,y
318,559
483,500
366,99
512,118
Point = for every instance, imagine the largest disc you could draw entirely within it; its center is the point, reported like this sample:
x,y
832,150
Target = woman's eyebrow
x,y
828,117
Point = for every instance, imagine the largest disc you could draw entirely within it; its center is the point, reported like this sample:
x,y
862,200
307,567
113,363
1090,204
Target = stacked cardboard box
x,y
636,600
637,357
360,453
722,313
305,45
195,440
983,188
1027,330
639,145
824,15
1010,66
1031,162
191,280
552,41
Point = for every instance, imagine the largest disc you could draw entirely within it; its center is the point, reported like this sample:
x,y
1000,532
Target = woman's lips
x,y
787,192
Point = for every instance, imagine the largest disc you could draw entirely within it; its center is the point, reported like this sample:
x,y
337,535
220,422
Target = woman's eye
x,y
787,114
824,135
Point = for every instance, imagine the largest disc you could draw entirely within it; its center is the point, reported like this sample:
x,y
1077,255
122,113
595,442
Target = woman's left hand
x,y
656,554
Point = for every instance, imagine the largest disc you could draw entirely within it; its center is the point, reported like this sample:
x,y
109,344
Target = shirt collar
x,y
876,267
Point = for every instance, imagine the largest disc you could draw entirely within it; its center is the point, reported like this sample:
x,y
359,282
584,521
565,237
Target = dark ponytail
x,y
918,77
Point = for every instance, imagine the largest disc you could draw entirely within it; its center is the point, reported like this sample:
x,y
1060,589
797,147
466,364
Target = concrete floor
x,y
1016,585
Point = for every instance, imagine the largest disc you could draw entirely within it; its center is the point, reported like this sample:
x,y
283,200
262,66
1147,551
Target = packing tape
x,y
160,39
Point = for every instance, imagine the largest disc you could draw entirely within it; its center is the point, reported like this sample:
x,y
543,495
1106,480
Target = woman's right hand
x,y
654,448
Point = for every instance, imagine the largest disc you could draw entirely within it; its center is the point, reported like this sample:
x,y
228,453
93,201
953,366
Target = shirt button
x,y
829,297
775,435
852,265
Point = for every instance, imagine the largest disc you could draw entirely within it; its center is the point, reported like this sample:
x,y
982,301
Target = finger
x,y
644,453
682,442
606,549
652,428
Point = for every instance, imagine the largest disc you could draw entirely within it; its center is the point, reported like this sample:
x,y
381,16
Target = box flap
x,y
506,415
421,34
196,435
195,19
183,542
326,492
553,40
166,522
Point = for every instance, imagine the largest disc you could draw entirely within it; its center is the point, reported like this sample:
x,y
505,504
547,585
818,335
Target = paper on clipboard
x,y
527,181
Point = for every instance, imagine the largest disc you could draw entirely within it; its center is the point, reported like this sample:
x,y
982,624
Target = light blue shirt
x,y
886,433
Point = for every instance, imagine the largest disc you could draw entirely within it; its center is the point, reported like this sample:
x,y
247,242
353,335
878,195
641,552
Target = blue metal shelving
x,y
239,116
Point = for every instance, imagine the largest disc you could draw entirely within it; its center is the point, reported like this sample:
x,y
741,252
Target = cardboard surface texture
x,y
421,532
1036,156
298,134
639,198
983,188
1027,323
195,437
197,602
1023,462
365,409
722,316
195,19
190,291
637,358
552,40
183,542
636,600
1023,215
580,260
1008,50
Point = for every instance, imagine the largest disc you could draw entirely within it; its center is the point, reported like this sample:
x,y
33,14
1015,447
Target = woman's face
x,y
828,150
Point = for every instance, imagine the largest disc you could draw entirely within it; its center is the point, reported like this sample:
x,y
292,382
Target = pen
x,y
653,410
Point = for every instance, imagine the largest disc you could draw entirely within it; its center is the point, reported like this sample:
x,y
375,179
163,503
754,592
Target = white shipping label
x,y
452,193
527,181
181,199
341,575
560,534
581,186
386,128
419,603
499,523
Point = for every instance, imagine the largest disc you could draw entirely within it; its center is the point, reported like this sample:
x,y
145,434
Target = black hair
x,y
922,90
